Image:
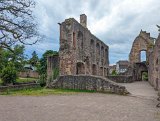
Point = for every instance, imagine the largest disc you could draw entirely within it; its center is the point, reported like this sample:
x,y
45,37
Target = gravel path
x,y
80,107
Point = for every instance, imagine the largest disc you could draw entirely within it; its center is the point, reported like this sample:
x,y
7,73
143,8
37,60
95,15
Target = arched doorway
x,y
143,56
80,68
80,45
92,45
101,71
144,76
97,52
94,69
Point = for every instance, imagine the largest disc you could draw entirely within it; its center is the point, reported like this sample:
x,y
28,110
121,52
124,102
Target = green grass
x,y
20,80
43,91
1,82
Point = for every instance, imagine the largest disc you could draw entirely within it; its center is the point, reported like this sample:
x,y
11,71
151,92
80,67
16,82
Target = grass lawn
x,y
20,80
43,91
0,82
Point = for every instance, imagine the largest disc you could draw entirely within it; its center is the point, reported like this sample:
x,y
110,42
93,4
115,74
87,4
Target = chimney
x,y
83,20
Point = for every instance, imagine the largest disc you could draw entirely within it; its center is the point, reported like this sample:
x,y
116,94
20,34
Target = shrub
x,y
9,74
114,73
55,73
145,76
42,80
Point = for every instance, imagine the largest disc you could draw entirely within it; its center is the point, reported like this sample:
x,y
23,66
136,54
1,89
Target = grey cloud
x,y
116,22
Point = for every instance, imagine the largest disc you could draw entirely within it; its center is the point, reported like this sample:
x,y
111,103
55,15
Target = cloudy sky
x,y
115,22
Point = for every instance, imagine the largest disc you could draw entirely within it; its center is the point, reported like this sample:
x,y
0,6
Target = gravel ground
x,y
81,107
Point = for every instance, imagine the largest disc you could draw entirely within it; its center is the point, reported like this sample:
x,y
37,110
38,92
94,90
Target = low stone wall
x,y
19,87
81,82
121,79
25,74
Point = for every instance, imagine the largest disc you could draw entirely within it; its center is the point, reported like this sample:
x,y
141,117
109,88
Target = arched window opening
x,y
94,69
143,57
80,68
80,40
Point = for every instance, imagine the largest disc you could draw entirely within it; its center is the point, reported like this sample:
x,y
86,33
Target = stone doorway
x,y
144,76
94,69
80,68
143,56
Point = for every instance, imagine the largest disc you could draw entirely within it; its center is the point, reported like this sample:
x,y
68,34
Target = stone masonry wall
x,y
83,82
52,63
80,51
143,42
121,78
19,87
32,74
154,65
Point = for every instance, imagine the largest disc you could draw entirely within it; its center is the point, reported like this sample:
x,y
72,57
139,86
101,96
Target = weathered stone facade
x,y
122,66
136,67
80,51
111,69
143,42
87,82
52,63
83,60
121,78
154,65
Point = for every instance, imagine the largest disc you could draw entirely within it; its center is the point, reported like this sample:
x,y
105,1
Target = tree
x,y
17,57
9,74
114,72
17,23
34,60
42,68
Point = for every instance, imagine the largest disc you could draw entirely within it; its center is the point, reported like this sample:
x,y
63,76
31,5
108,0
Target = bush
x,y
145,76
42,80
55,73
9,74
114,73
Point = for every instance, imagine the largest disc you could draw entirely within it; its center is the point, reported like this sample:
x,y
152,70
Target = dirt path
x,y
83,107
141,89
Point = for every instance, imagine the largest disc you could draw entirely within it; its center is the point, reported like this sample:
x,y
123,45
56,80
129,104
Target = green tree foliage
x,y
42,80
17,23
55,73
114,72
42,68
34,59
16,56
145,76
9,74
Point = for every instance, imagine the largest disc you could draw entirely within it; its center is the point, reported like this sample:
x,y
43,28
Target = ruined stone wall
x,y
138,69
143,42
151,69
29,73
154,65
19,87
80,51
52,63
121,78
81,82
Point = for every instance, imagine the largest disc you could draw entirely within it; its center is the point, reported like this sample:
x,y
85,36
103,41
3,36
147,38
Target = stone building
x,y
112,68
52,63
80,51
143,42
83,60
154,65
122,66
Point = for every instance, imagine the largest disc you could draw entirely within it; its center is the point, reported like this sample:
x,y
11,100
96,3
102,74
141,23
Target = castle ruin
x,y
80,51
